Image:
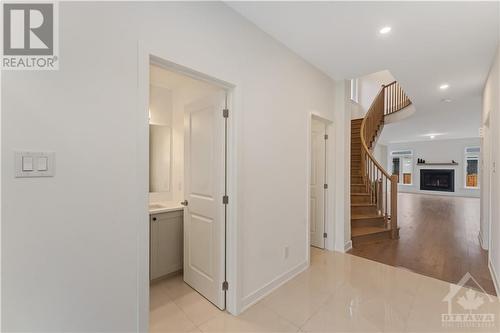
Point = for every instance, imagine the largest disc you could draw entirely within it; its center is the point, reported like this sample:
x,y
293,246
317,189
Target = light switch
x,y
27,163
30,164
42,163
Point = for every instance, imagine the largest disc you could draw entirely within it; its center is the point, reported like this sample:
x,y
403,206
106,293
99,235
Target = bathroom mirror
x,y
160,158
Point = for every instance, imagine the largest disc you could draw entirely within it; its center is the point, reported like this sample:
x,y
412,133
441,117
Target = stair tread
x,y
363,205
365,216
360,193
363,231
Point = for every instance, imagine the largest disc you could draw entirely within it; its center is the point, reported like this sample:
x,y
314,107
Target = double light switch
x,y
34,164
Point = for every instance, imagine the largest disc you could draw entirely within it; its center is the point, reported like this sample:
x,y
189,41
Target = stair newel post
x,y
394,207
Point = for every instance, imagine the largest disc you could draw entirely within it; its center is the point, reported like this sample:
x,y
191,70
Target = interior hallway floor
x,y
337,293
438,238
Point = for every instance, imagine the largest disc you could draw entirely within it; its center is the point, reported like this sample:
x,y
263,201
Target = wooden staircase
x,y
373,190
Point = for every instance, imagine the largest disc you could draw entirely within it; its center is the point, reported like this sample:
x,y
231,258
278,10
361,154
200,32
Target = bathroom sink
x,y
163,207
156,206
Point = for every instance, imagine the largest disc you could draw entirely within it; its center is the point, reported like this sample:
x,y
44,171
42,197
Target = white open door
x,y
317,186
204,211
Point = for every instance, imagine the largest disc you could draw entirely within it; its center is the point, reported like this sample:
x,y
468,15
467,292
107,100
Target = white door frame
x,y
147,55
485,178
330,176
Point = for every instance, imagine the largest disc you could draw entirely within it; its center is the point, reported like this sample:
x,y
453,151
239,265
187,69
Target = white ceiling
x,y
430,43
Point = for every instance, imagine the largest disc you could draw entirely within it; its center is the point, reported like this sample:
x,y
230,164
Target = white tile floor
x,y
338,293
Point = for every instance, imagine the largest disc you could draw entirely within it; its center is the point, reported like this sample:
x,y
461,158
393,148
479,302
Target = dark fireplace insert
x,y
437,180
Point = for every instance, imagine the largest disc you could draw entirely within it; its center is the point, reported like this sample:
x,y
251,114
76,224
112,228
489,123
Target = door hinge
x,y
325,186
326,136
225,199
225,285
225,113
325,235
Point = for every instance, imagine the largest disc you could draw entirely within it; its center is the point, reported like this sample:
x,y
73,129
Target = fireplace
x,y
437,180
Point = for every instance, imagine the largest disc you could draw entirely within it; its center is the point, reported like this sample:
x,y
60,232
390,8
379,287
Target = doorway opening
x,y
188,197
318,181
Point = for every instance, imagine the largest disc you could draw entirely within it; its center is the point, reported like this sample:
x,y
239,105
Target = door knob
x,y
184,203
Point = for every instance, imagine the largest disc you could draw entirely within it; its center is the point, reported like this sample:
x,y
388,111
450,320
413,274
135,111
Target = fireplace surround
x,y
437,180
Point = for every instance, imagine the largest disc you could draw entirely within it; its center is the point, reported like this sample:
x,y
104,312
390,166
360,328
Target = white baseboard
x,y
262,292
494,276
348,246
481,241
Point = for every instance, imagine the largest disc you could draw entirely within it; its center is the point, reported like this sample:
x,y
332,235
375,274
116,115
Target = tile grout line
x,y
317,310
277,314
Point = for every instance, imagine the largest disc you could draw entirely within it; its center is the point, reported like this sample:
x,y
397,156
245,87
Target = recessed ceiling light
x,y
444,86
432,135
446,100
385,30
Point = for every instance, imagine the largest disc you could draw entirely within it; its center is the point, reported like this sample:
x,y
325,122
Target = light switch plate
x,y
42,164
27,163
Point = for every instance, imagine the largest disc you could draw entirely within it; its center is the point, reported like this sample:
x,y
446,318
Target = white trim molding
x,y
494,276
484,245
348,246
268,288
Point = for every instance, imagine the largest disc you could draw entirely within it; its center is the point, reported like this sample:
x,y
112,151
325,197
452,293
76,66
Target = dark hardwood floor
x,y
438,238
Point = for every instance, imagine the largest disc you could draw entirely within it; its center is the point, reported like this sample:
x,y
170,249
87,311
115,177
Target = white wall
x,y
490,210
69,243
356,110
436,151
160,105
380,153
342,182
369,86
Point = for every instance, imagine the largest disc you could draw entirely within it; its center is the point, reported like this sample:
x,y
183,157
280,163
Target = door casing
x,y
318,167
329,228
147,54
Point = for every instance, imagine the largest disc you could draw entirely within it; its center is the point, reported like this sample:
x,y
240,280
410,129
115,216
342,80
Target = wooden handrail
x,y
378,182
363,140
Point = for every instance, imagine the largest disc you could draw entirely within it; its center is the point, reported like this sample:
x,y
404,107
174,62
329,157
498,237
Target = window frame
x,y
473,156
354,90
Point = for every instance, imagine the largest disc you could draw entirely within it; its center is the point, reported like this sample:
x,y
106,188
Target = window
x,y
402,166
472,167
354,90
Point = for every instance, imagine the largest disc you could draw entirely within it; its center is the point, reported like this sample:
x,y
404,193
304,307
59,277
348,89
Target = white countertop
x,y
163,207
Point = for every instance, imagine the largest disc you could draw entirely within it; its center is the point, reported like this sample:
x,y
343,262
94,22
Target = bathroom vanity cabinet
x,y
166,237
